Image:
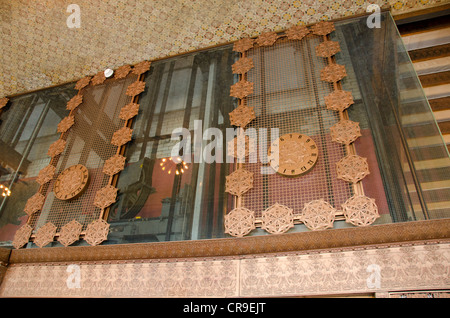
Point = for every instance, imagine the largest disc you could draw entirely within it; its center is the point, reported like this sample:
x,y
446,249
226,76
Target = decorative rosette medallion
x,y
71,182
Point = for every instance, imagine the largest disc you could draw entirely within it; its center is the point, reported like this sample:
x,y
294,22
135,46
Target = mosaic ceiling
x,y
39,49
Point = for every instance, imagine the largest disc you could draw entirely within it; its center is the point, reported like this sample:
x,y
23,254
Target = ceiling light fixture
x,y
5,191
108,72
180,167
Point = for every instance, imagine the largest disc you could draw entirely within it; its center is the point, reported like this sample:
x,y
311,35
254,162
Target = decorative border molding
x,y
380,271
4,260
349,238
4,255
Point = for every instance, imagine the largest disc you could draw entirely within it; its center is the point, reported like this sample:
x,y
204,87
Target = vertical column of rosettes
x,y
71,231
359,210
240,221
97,231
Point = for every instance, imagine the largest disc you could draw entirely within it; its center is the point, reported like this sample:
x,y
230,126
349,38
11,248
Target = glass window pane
x,y
161,197
27,130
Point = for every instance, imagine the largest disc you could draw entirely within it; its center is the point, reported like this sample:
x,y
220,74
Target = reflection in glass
x,y
161,197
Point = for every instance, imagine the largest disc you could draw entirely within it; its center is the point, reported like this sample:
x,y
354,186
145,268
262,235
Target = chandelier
x,y
180,165
5,191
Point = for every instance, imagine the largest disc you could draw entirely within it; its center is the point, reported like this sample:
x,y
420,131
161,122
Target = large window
x,y
162,198
289,96
168,196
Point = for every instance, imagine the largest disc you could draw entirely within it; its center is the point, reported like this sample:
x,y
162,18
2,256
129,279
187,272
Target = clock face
x,y
293,154
71,182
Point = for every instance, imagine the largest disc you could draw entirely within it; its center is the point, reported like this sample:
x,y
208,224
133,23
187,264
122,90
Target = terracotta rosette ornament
x,y
65,124
243,65
323,28
242,116
352,168
22,236
345,131
239,222
129,111
238,182
56,148
327,48
339,100
241,89
114,165
277,219
297,32
96,232
333,73
122,136
293,154
70,233
105,196
82,83
135,88
267,39
318,215
141,67
46,174
98,78
122,72
3,102
74,102
45,234
34,204
360,210
243,45
71,182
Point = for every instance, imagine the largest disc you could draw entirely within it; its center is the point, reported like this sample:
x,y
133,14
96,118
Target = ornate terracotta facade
x,y
38,62
381,260
350,271
277,267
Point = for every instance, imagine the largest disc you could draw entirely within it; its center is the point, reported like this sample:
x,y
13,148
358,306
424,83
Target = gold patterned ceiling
x,y
38,49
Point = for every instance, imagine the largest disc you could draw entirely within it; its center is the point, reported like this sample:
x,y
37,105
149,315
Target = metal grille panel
x,y
289,95
89,144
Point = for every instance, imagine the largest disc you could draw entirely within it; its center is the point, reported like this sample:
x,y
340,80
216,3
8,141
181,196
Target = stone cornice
x,y
348,238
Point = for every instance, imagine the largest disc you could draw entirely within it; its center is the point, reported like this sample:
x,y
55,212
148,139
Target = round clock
x,y
297,154
71,182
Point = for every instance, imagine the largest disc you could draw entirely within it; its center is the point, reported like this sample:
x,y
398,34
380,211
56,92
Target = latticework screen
x,y
88,143
289,95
